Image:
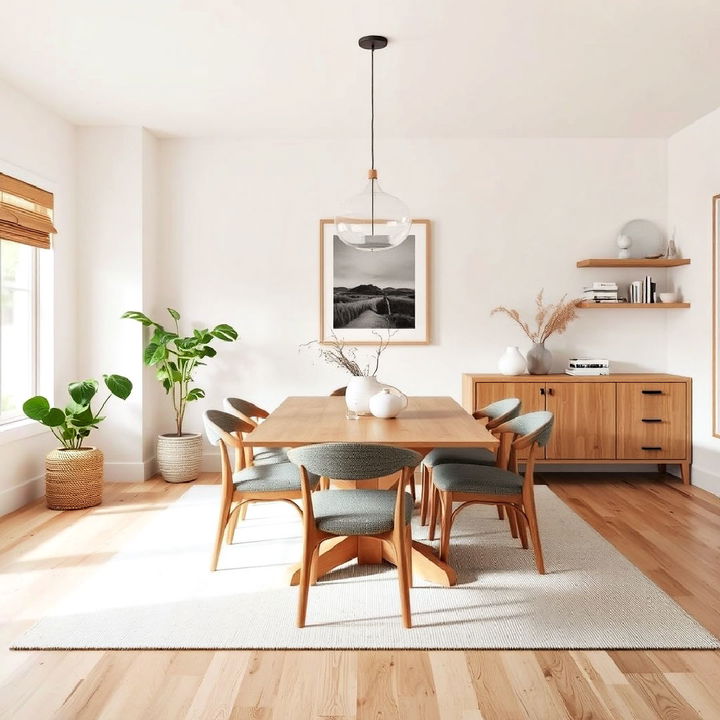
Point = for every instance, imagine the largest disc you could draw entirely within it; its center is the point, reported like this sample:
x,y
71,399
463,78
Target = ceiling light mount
x,y
373,42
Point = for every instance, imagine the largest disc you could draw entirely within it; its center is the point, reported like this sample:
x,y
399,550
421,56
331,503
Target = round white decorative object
x,y
388,403
512,362
624,243
647,239
359,391
179,457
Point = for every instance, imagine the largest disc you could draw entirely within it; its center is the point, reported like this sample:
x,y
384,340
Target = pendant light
x,y
373,220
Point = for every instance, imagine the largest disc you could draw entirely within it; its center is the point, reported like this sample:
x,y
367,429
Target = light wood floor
x,y
671,532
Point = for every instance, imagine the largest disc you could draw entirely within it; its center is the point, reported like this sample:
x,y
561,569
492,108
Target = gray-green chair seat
x,y
273,477
470,456
357,512
456,477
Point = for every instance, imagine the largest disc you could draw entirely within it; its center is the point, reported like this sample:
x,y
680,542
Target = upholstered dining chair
x,y
257,483
251,413
492,415
492,485
382,514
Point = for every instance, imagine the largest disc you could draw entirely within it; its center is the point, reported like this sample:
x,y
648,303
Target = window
x,y
18,329
25,229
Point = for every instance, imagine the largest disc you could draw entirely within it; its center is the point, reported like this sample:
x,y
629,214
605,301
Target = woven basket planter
x,y
73,478
179,457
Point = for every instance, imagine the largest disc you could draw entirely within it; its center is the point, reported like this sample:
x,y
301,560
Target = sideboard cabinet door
x,y
585,420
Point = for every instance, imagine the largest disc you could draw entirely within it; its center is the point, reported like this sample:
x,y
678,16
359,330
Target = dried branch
x,y
338,354
551,319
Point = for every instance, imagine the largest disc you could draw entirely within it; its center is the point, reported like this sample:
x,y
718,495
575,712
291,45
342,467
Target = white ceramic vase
x,y
359,391
511,362
388,402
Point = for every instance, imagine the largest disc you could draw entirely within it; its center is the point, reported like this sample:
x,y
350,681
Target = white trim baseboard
x,y
15,497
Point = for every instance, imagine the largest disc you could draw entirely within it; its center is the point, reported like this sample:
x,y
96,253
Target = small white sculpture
x,y
624,243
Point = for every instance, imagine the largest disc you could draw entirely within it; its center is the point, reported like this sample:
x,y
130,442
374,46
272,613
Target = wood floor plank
x,y
671,532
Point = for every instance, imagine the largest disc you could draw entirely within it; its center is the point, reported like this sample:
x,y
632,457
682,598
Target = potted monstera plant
x,y
175,358
74,471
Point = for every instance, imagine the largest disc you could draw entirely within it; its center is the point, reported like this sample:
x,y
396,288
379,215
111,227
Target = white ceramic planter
x,y
511,361
359,391
179,457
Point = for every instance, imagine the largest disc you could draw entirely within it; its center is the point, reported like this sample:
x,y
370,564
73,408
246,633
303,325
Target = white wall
x,y
239,227
38,146
693,178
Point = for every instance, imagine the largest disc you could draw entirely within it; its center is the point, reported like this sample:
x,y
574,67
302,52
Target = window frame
x,y
43,317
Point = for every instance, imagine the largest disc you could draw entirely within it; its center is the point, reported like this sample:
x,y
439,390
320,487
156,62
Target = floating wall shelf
x,y
630,306
633,262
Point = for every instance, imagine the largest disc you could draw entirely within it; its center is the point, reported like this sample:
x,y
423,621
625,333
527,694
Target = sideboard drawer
x,y
652,421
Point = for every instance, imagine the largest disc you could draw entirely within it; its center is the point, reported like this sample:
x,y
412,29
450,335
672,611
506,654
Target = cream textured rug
x,y
158,592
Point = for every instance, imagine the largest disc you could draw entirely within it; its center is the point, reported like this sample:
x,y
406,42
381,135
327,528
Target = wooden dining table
x,y
426,423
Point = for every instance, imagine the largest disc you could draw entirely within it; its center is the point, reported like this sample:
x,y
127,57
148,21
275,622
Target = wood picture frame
x,y
354,283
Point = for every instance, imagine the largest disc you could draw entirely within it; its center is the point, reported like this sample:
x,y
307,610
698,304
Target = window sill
x,y
19,430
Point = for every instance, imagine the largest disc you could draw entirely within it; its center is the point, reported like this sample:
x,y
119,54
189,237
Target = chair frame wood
x,y
427,496
520,507
230,514
396,543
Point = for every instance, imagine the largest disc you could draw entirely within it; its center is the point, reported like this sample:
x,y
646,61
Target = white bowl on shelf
x,y
668,297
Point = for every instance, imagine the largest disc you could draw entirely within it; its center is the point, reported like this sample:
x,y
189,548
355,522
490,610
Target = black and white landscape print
x,y
374,290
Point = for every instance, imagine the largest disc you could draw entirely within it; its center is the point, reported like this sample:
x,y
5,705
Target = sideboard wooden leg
x,y
685,472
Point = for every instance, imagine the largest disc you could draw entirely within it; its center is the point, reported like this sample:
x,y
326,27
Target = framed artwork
x,y
365,293
716,315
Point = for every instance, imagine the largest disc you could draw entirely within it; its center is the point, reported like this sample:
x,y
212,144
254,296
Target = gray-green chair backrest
x,y
217,422
353,461
509,407
540,421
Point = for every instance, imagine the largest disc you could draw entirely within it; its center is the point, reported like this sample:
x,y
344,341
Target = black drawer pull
x,y
651,392
655,420
646,447
542,391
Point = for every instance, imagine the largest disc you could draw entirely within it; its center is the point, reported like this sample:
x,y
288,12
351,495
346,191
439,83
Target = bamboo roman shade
x,y
25,213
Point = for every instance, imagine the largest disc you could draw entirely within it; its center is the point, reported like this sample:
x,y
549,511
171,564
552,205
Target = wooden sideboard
x,y
634,418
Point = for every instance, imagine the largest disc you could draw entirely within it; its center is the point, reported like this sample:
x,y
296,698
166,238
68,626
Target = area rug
x,y
157,593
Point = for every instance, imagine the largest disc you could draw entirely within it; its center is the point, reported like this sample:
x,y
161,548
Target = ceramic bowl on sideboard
x,y
668,297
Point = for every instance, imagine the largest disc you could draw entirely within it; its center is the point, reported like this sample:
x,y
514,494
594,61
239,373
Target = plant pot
x,y
73,478
539,359
179,456
359,391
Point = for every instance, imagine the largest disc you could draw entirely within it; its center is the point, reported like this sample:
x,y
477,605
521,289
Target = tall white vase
x,y
512,362
359,391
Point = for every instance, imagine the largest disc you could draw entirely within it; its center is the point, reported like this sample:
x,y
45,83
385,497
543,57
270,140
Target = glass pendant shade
x,y
373,220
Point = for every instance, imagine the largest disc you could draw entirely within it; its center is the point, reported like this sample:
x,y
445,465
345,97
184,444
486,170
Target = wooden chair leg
x,y
434,502
522,529
412,486
314,566
425,491
305,577
501,512
529,507
445,524
512,522
243,511
408,548
400,543
222,523
232,523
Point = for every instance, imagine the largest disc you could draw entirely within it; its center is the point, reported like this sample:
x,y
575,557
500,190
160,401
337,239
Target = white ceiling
x,y
292,68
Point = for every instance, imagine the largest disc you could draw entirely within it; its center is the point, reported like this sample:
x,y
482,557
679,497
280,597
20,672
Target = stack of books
x,y
643,291
602,292
588,366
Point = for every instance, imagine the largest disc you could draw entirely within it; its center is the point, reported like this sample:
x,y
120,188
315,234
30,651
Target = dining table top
x,y
427,422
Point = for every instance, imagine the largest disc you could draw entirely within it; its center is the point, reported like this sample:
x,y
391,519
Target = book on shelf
x,y
581,363
602,286
643,291
587,372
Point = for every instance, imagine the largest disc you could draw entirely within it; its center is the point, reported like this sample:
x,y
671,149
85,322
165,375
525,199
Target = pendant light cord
x,y
372,140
